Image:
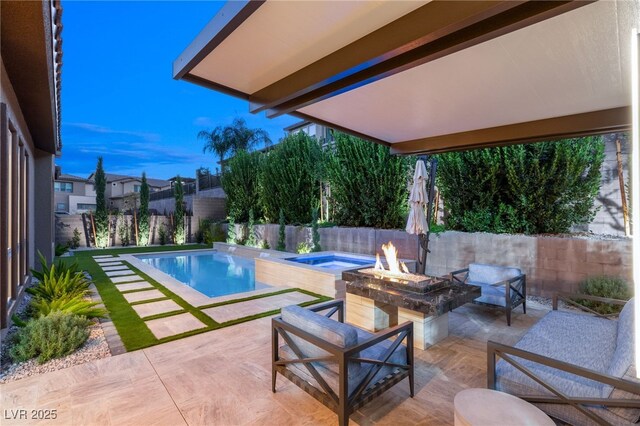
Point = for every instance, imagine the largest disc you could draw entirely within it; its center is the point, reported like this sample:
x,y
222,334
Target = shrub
x,y
264,244
179,235
282,238
231,230
101,221
54,286
369,186
48,337
123,230
77,305
143,220
61,249
61,268
251,231
315,234
74,242
216,234
304,247
534,188
608,287
290,178
240,184
163,236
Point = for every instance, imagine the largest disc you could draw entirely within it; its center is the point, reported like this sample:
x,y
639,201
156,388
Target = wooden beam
x,y
432,31
226,21
569,126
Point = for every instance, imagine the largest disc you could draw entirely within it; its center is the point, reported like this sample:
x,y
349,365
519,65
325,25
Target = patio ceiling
x,y
426,76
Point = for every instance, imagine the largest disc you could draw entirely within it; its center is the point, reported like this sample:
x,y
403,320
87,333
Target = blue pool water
x,y
210,273
332,261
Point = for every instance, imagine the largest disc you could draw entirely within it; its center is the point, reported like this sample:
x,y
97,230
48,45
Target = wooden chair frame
x,y
342,403
515,291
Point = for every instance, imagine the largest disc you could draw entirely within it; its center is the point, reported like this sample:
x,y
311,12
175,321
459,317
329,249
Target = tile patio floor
x,y
223,377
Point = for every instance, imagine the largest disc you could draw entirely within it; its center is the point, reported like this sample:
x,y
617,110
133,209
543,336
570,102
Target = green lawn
x,y
132,329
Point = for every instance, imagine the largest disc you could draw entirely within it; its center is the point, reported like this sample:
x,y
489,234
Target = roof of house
x,y
112,177
66,177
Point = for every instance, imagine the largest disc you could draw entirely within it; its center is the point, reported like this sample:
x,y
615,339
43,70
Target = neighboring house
x,y
122,191
324,134
73,194
30,79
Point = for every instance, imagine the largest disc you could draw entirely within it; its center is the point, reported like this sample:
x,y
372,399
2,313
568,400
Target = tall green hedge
x,y
369,186
535,188
290,179
240,184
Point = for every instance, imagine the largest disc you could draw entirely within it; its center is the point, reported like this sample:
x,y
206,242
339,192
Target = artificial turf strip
x,y
133,330
142,302
163,315
245,299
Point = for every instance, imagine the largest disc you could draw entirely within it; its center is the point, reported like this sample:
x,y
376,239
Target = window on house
x,y
136,188
63,187
61,207
86,206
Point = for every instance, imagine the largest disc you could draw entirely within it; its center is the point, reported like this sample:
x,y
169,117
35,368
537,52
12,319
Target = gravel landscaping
x,y
95,347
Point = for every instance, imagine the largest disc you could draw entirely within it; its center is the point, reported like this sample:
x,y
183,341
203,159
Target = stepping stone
x,y
176,324
110,263
115,268
102,256
155,308
127,279
256,306
138,285
119,273
139,296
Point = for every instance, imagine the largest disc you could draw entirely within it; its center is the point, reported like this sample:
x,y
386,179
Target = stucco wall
x,y
551,263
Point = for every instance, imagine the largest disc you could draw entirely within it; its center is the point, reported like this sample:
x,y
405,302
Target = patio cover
x,y
424,76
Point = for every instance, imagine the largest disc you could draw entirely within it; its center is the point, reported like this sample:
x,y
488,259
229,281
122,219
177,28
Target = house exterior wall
x,y
26,201
82,193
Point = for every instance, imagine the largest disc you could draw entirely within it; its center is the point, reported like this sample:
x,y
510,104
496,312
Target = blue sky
x,y
119,99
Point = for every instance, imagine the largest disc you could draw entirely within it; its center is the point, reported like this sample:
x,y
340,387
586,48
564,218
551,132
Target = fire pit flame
x,y
391,255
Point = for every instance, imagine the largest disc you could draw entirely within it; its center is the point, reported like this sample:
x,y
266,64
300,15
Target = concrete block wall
x,y
551,263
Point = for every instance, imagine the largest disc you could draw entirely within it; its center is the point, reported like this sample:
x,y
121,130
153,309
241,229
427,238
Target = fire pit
x,y
381,297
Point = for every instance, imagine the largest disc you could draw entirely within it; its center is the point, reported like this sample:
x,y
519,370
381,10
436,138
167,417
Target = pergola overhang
x,y
426,76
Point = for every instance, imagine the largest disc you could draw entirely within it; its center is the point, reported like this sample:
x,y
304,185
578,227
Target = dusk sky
x,y
119,99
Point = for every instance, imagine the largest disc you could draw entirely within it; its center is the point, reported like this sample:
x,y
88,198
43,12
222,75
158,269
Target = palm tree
x,y
233,138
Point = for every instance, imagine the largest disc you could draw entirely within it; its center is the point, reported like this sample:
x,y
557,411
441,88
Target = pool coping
x,y
189,294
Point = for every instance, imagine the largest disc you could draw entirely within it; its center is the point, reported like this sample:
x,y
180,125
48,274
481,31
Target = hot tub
x,y
320,272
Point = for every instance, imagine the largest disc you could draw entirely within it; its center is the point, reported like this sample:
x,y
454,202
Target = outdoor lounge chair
x,y
501,286
340,365
575,367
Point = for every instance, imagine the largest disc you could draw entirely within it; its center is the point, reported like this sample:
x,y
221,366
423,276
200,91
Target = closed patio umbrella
x,y
418,221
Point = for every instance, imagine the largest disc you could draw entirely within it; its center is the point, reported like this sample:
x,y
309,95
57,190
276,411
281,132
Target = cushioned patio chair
x,y
503,287
340,365
575,367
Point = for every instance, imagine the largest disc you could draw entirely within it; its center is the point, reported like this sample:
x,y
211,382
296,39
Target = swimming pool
x,y
331,261
211,273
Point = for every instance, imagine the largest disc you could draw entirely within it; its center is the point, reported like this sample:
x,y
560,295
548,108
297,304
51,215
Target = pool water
x,y
332,261
211,273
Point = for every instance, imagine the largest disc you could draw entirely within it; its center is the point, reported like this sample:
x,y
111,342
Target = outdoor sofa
x,y
342,366
503,287
575,367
